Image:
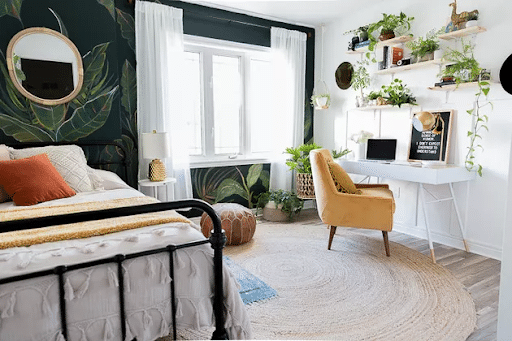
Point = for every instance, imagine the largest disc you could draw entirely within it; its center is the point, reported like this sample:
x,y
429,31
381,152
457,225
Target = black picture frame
x,y
427,146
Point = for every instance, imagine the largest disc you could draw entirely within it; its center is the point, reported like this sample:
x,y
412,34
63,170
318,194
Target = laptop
x,y
381,150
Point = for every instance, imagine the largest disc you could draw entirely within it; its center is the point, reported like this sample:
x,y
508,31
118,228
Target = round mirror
x,y
45,66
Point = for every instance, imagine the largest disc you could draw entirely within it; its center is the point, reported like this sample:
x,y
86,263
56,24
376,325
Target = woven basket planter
x,y
305,187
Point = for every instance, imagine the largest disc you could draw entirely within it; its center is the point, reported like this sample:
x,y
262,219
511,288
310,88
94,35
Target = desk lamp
x,y
155,146
427,121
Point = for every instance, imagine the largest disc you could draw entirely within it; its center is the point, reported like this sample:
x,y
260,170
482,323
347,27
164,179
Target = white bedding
x,y
29,310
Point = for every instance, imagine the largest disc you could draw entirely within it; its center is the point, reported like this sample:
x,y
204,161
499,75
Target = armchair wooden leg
x,y
331,236
386,242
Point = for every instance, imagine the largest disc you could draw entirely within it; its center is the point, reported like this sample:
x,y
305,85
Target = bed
x,y
90,267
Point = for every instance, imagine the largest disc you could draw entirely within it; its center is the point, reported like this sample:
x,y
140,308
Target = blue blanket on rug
x,y
252,289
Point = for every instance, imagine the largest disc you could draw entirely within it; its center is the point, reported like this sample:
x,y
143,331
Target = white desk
x,y
438,175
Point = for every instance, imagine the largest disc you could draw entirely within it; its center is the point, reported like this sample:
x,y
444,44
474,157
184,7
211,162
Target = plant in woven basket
x,y
287,201
300,162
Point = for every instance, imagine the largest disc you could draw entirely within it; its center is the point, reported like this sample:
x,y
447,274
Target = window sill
x,y
204,163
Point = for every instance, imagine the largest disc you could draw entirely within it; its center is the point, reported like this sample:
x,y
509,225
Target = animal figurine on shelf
x,y
459,19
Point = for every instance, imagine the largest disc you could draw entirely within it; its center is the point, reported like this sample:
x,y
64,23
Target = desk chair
x,y
342,203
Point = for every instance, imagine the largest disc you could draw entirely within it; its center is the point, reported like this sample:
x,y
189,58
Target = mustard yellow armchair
x,y
341,203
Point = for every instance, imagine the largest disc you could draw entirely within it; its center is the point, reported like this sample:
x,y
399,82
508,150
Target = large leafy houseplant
x,y
300,161
286,201
465,68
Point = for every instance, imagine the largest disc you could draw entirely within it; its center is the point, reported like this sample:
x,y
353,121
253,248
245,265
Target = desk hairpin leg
x,y
424,202
466,246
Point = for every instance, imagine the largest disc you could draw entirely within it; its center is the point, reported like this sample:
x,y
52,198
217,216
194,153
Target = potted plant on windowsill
x,y
300,162
279,205
423,48
388,26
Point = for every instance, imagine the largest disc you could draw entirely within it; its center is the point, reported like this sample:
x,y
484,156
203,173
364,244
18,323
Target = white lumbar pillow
x,y
69,160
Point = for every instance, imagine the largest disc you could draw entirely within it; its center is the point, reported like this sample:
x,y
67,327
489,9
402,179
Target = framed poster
x,y
432,141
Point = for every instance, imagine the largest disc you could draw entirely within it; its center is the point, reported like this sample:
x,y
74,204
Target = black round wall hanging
x,y
506,75
343,75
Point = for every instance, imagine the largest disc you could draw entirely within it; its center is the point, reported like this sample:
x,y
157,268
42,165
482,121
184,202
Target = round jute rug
x,y
353,291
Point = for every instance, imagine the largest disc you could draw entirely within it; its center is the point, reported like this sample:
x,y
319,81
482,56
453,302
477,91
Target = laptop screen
x,y
381,149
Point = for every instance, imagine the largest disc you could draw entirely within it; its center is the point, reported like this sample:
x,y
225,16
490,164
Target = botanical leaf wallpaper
x,y
105,108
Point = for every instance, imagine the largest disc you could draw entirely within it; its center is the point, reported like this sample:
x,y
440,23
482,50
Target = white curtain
x,y
288,72
160,60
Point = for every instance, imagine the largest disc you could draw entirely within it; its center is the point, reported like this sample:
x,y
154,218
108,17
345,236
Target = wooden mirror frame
x,y
11,67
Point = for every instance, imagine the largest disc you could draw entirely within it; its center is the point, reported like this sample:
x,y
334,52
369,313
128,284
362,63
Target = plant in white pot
x,y
279,205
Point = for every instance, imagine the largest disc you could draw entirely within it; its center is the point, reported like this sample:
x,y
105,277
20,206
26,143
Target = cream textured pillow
x,y
69,161
4,156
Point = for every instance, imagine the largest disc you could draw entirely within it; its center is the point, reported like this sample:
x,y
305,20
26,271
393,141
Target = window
x,y
227,99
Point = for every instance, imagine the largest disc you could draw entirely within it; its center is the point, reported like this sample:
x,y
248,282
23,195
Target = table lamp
x,y
155,146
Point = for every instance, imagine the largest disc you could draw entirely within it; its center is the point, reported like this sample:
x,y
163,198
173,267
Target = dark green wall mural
x,y
240,184
105,108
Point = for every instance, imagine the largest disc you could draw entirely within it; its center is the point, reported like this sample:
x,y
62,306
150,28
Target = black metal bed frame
x,y
217,241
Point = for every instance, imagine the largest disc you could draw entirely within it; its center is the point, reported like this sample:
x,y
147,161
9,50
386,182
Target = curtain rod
x,y
229,20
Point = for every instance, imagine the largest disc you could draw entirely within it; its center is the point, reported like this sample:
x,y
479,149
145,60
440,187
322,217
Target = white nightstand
x,y
156,184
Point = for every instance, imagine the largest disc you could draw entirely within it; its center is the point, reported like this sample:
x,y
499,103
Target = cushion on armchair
x,y
341,179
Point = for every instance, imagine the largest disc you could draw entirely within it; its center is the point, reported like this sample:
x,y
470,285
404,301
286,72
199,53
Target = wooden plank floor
x,y
479,274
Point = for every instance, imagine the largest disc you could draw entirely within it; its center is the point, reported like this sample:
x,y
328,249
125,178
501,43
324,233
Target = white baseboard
x,y
477,247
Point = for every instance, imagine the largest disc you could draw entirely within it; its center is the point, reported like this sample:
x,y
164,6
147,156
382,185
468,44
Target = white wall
x,y
485,209
505,306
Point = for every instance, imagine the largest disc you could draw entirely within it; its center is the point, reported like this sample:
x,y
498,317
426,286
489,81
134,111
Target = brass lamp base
x,y
156,170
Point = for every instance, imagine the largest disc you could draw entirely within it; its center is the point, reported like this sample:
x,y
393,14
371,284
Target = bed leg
x,y
62,301
171,249
122,313
218,240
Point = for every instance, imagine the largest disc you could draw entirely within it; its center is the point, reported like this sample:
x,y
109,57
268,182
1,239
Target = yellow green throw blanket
x,y
83,229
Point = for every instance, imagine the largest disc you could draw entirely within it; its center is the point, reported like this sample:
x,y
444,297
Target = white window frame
x,y
206,47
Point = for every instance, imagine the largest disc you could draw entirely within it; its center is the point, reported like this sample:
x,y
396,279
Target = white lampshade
x,y
155,145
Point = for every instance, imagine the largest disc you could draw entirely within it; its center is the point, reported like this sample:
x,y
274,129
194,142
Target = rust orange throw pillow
x,y
33,180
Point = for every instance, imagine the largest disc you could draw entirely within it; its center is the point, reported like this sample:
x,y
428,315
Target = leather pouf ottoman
x,y
238,222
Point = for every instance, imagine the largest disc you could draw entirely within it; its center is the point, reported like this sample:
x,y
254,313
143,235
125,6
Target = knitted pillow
x,y
341,179
33,180
4,156
69,161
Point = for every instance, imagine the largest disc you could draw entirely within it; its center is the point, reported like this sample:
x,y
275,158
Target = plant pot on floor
x,y
271,212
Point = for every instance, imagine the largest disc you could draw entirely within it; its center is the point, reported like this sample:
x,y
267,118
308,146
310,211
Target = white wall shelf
x,y
462,33
381,107
410,67
393,41
453,87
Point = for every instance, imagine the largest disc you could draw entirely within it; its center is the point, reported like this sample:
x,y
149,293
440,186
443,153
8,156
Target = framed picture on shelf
x,y
430,136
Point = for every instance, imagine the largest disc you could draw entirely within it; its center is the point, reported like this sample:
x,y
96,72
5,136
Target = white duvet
x,y
29,310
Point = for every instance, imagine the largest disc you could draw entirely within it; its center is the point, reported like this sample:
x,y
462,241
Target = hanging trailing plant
x,y
465,68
